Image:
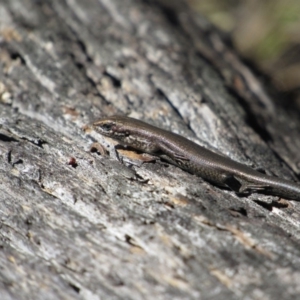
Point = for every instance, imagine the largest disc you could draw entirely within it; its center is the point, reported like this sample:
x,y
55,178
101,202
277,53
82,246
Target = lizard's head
x,y
113,127
129,132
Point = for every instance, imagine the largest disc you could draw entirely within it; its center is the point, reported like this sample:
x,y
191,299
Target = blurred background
x,y
267,32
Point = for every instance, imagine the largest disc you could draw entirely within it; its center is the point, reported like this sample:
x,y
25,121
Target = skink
x,y
189,156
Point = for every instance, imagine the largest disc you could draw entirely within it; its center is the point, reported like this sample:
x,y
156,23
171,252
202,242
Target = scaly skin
x,y
193,158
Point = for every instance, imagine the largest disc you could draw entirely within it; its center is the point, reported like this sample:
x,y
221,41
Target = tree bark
x,y
79,225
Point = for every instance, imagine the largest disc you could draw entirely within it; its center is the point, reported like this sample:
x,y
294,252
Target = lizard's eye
x,y
107,127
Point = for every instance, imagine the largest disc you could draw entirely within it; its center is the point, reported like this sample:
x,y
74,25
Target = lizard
x,y
193,158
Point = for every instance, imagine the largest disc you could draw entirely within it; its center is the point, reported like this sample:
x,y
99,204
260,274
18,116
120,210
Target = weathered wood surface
x,y
78,225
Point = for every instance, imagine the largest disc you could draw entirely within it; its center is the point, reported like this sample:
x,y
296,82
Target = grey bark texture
x,y
79,225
